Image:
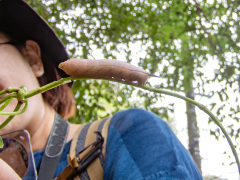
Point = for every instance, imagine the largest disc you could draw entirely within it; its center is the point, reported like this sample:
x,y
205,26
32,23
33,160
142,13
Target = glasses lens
x,y
17,153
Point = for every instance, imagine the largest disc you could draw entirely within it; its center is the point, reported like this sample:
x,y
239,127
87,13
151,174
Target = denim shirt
x,y
140,146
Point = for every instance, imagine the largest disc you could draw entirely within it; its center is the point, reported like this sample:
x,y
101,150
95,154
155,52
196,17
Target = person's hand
x,y
6,172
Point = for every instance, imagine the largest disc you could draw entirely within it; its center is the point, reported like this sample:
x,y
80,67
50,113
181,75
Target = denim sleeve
x,y
140,146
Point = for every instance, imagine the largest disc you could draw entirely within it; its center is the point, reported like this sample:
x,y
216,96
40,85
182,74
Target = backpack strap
x,y
87,152
54,148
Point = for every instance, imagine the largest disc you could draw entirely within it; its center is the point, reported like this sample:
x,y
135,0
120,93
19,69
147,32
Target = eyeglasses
x,y
12,42
17,153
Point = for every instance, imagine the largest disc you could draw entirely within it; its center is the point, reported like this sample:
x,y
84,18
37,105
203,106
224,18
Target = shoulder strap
x,y
87,152
54,148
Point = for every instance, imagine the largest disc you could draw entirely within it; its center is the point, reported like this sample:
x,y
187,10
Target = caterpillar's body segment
x,y
105,68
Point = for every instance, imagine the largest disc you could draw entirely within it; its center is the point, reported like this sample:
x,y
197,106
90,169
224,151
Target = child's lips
x,y
1,97
4,95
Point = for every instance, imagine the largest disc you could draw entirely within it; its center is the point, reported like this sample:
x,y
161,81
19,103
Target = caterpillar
x,y
105,68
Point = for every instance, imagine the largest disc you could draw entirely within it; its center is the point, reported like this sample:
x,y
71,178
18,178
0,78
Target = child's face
x,y
15,71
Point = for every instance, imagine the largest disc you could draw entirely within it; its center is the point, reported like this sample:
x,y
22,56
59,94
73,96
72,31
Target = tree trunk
x,y
193,130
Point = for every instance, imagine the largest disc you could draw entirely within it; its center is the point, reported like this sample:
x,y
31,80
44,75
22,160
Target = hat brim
x,y
21,20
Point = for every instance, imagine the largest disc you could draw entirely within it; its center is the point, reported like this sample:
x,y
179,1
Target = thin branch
x,y
49,86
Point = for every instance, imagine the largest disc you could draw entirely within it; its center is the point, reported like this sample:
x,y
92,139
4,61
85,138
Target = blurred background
x,y
192,45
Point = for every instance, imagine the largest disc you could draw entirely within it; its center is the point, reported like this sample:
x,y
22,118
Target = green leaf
x,y
1,142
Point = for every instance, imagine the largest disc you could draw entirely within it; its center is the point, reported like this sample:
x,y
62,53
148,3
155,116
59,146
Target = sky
x,y
211,150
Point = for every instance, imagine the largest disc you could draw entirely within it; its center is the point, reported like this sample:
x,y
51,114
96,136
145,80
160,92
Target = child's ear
x,y
32,53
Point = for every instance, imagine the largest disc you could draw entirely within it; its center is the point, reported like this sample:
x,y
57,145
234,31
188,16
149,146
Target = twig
x,y
24,95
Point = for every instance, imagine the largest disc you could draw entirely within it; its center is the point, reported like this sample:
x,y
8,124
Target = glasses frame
x,y
12,43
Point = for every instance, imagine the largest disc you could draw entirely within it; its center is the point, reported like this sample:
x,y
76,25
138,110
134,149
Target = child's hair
x,y
60,98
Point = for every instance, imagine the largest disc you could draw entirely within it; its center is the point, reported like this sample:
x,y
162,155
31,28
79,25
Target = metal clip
x,y
92,155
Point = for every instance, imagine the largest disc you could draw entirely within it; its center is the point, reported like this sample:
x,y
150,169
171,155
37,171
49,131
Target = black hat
x,y
23,22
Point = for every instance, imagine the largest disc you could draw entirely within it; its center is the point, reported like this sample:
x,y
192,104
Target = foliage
x,y
177,40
